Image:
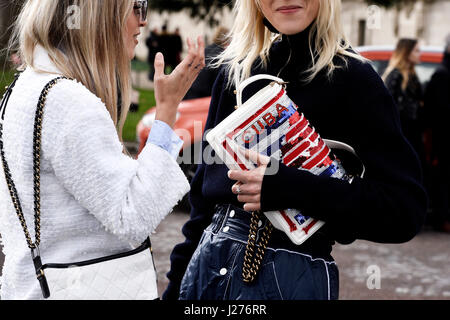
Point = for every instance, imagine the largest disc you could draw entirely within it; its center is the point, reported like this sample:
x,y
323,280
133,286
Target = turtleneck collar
x,y
294,54
270,26
300,39
299,43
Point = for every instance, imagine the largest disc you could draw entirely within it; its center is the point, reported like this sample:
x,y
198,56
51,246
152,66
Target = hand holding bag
x,y
270,123
126,276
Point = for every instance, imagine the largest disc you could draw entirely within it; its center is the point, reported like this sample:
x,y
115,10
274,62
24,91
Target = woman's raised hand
x,y
171,89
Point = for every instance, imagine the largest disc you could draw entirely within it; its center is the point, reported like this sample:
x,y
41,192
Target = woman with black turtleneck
x,y
345,100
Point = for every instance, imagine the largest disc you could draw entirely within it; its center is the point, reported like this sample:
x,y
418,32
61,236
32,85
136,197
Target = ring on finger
x,y
238,189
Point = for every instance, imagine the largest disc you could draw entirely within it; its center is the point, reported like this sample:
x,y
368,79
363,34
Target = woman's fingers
x,y
238,175
252,207
189,60
173,87
255,175
159,65
200,62
244,188
249,185
195,60
170,89
255,157
249,198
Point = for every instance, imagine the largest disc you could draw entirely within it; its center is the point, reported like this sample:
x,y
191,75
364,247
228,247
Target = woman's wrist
x,y
166,114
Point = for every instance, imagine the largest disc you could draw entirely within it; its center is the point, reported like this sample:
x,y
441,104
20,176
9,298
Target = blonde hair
x,y
251,40
94,54
400,60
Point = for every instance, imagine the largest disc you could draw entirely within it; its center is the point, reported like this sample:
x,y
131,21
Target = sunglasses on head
x,y
140,8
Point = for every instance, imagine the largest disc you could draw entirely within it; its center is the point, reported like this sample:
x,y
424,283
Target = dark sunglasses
x,y
140,8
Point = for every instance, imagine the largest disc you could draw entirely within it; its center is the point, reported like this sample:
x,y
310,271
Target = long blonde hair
x,y
251,40
400,60
93,53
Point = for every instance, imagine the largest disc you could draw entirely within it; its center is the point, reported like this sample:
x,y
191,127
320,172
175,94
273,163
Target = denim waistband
x,y
233,222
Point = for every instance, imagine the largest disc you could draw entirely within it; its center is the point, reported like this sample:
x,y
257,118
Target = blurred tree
x,y
199,9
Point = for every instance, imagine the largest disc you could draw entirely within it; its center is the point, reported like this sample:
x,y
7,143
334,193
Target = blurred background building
x,y
188,26
365,22
427,20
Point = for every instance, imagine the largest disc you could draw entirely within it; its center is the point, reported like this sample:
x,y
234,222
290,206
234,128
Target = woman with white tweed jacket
x,y
95,200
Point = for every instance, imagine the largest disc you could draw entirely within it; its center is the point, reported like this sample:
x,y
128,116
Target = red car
x,y
192,114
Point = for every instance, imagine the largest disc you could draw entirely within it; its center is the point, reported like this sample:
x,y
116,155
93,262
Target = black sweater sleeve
x,y
201,209
388,205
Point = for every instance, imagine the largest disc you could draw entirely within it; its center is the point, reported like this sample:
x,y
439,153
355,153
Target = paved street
x,y
418,269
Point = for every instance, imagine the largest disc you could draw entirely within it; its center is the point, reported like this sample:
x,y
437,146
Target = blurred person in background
x,y
404,85
152,43
437,104
177,46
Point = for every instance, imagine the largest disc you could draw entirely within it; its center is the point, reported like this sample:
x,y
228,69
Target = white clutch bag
x,y
271,124
129,276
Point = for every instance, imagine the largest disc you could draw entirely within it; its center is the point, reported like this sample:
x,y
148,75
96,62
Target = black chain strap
x,y
37,142
254,252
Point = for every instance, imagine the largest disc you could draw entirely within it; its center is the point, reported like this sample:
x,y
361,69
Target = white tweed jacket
x,y
95,201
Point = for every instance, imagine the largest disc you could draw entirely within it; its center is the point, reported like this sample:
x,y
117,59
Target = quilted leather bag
x,y
125,276
128,276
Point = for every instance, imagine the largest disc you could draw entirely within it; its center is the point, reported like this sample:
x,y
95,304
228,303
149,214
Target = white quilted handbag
x,y
129,276
124,276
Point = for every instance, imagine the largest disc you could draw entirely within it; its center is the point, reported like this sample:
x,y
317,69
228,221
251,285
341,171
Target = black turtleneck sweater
x,y
354,107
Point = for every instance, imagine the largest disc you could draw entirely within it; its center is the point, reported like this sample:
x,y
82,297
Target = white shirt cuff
x,y
164,137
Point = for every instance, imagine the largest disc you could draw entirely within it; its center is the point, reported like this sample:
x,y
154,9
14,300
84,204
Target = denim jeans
x,y
215,269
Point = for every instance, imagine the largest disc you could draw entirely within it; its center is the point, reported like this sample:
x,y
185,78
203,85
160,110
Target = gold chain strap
x,y
37,135
254,253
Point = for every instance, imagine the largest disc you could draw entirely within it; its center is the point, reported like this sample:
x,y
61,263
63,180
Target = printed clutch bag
x,y
271,124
